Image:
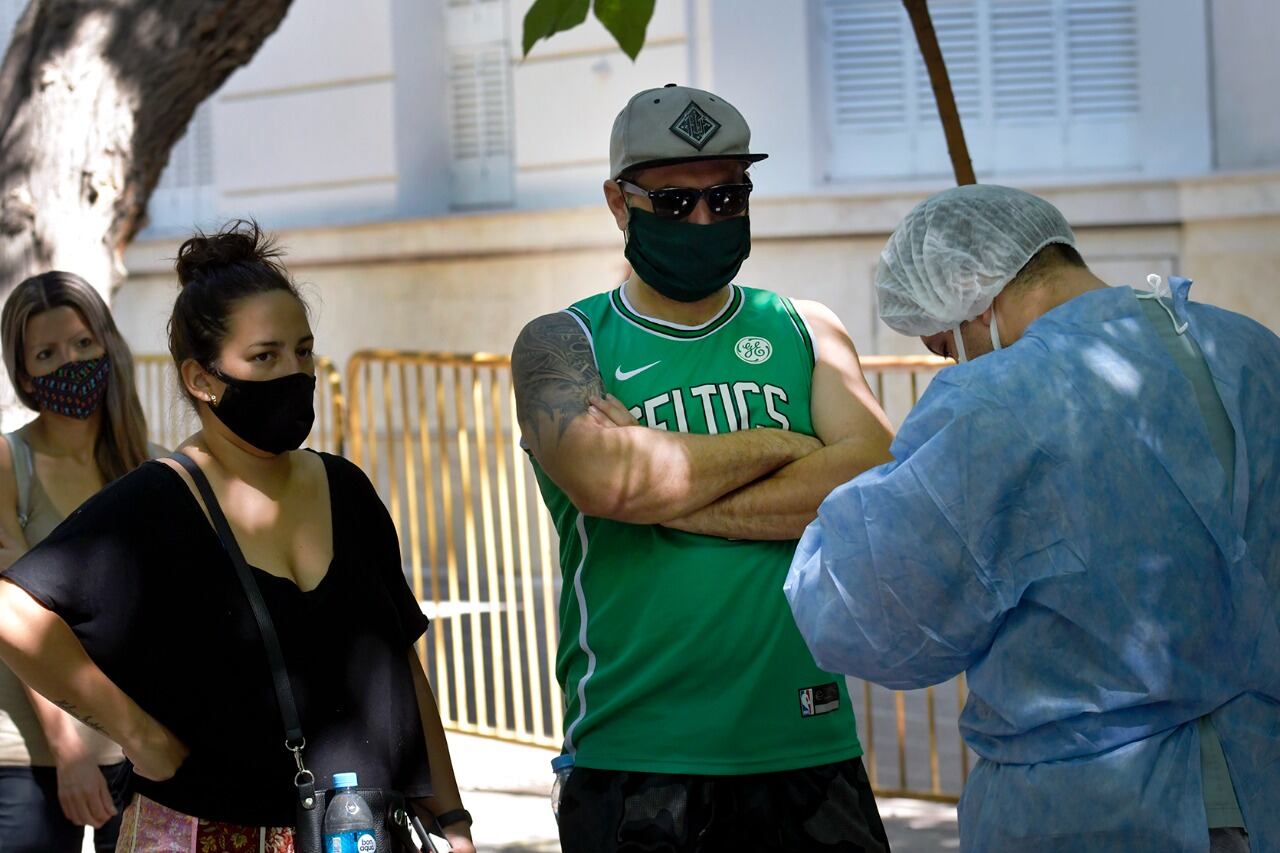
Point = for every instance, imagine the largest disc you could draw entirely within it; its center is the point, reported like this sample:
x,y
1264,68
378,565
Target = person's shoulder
x,y
8,478
6,460
559,330
761,298
994,385
8,453
820,319
339,466
554,348
345,474
152,482
591,305
1239,324
355,495
140,500
814,317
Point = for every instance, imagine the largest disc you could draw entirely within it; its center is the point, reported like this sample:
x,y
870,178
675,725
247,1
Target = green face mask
x,y
686,262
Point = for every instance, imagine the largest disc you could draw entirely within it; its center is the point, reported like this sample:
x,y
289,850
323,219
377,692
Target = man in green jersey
x,y
684,429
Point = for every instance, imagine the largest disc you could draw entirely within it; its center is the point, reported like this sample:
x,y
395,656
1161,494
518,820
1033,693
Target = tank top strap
x,y
23,473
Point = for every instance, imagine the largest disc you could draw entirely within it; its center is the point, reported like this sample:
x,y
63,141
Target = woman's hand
x,y
83,792
157,753
459,837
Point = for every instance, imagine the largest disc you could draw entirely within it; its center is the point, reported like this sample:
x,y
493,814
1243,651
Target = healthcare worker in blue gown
x,y
1083,516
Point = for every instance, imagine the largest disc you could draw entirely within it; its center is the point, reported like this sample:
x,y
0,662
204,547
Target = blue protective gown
x,y
1056,524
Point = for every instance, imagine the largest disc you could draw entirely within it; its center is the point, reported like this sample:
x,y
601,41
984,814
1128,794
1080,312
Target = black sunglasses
x,y
679,202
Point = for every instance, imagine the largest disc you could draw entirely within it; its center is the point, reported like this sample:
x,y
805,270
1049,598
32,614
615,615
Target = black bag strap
x,y
294,740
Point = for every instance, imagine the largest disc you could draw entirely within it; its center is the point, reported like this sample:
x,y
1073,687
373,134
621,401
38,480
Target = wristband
x,y
451,817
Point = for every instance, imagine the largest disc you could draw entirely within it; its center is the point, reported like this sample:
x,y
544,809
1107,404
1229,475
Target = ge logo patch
x,y
753,350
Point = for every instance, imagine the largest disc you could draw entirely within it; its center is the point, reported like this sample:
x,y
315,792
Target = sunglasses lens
x,y
674,202
728,199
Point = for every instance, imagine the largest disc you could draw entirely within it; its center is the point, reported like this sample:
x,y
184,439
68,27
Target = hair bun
x,y
240,241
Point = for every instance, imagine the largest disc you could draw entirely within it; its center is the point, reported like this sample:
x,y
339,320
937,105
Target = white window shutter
x,y
191,158
956,23
869,78
1102,58
184,195
870,120
1104,96
480,107
1026,86
1024,61
1040,85
958,26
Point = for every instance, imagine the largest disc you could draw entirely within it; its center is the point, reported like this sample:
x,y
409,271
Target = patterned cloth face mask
x,y
74,390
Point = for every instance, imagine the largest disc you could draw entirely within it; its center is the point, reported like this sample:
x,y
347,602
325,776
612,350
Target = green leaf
x,y
545,18
628,20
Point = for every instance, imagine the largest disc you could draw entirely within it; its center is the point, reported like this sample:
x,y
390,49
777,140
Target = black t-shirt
x,y
140,576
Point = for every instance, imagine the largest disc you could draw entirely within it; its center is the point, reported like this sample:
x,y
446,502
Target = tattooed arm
x,y
632,474
41,649
82,789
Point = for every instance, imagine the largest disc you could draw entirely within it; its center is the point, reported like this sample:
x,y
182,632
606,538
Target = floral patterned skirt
x,y
148,827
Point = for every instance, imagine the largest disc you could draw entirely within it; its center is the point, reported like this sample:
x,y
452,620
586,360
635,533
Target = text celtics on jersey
x,y
721,406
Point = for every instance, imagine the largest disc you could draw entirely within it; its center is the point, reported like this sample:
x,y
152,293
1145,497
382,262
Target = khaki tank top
x,y
22,741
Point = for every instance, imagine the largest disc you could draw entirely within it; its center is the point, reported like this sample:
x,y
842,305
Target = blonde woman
x,y
68,363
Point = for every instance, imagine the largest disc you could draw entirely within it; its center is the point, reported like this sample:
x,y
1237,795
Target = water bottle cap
x,y
561,762
344,780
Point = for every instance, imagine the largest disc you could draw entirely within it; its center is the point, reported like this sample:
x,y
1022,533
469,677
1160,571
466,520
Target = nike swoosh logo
x,y
623,375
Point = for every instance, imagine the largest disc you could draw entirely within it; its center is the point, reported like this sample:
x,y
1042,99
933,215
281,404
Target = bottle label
x,y
359,841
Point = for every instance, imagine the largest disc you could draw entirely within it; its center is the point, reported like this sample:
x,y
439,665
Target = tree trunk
x,y
927,39
93,94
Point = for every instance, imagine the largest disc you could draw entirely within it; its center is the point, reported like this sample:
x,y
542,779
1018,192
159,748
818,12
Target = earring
x,y
213,399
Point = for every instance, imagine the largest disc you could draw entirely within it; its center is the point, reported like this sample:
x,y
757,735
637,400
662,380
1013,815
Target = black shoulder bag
x,y
394,823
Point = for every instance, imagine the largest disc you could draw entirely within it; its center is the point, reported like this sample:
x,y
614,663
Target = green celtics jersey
x,y
678,652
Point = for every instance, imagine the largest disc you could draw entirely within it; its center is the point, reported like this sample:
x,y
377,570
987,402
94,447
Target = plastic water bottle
x,y
562,766
348,821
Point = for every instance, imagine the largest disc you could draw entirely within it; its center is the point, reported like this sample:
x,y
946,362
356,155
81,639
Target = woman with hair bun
x,y
67,362
132,617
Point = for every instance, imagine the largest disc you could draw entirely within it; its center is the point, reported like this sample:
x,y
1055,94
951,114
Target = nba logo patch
x,y
823,699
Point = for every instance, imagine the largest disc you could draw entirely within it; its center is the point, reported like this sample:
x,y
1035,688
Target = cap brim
x,y
674,161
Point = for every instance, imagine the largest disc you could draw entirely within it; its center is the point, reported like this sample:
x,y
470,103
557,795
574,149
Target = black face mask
x,y
274,415
683,261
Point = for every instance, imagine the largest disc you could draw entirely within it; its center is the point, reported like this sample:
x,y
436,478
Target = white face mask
x,y
961,355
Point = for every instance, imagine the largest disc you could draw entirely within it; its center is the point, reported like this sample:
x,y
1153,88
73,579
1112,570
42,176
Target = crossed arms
x,y
750,484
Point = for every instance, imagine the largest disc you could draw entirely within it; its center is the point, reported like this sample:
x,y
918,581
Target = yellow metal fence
x,y
437,435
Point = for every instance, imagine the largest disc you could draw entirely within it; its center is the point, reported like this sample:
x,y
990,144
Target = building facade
x,y
435,189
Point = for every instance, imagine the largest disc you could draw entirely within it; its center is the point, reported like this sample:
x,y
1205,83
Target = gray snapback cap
x,y
677,124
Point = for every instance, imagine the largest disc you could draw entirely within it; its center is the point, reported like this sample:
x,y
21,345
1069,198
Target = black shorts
x,y
825,808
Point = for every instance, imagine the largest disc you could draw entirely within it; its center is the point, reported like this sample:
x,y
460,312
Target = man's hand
x,y
608,411
83,791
